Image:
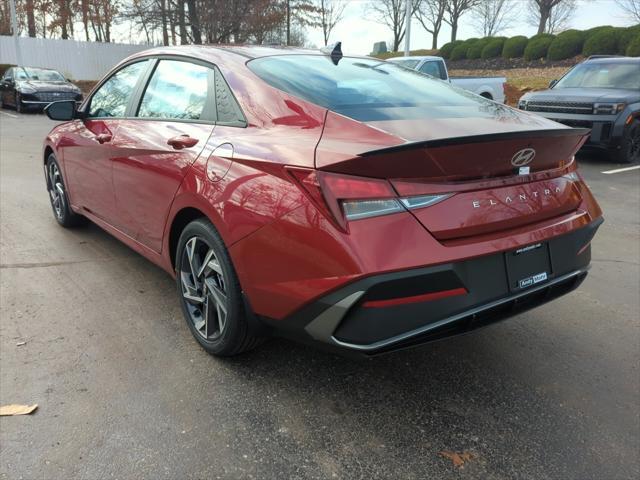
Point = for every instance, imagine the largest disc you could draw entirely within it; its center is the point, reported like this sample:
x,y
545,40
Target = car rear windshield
x,y
361,88
603,75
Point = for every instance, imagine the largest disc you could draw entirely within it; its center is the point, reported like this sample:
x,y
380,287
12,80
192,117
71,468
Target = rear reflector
x,y
426,297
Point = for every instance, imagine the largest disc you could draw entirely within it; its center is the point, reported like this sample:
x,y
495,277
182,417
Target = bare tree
x,y
560,16
392,14
301,13
455,9
331,12
542,11
631,7
430,14
493,16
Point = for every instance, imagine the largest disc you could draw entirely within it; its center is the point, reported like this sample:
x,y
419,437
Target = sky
x,y
358,31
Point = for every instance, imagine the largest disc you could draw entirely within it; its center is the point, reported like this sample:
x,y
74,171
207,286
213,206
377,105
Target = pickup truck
x,y
488,87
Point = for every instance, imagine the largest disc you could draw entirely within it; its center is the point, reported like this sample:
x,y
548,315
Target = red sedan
x,y
344,201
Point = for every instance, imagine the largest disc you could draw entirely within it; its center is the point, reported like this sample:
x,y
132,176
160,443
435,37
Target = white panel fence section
x,y
76,60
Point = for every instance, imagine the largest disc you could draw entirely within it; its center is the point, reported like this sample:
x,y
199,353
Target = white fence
x,y
76,60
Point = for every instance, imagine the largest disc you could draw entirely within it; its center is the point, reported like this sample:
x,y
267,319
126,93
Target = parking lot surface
x,y
123,390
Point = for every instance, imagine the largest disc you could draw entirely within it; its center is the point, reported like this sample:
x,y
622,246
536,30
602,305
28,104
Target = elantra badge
x,y
523,157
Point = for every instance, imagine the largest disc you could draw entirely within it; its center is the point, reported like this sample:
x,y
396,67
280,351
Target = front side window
x,y
112,98
433,68
364,89
179,90
9,74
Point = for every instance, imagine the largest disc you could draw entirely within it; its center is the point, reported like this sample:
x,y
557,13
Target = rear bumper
x,y
366,317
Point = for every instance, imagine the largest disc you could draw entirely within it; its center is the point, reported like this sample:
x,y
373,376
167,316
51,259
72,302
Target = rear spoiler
x,y
491,137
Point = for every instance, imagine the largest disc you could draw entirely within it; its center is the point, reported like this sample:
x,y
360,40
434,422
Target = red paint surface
x,y
287,248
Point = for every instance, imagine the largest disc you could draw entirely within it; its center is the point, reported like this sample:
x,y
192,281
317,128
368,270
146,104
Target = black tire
x,y
209,292
19,106
58,196
629,151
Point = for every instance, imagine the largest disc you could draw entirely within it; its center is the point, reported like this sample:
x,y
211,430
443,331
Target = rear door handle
x,y
182,141
104,137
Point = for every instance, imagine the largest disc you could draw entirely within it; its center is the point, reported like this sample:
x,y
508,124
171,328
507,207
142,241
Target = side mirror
x,y
64,110
552,83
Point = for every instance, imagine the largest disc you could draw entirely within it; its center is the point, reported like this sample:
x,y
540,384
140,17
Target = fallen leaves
x,y
458,458
16,409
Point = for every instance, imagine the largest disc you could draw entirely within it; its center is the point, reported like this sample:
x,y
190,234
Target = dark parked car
x,y
601,93
34,88
346,201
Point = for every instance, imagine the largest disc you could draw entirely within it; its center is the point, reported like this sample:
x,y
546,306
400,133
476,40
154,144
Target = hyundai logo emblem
x,y
523,157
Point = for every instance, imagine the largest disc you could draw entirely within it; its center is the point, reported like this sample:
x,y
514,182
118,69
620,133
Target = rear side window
x,y
179,90
362,88
228,110
112,98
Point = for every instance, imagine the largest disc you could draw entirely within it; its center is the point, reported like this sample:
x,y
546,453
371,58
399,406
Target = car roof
x,y
413,57
247,51
613,59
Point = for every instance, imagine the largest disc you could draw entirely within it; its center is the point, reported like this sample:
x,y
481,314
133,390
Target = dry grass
x,y
521,80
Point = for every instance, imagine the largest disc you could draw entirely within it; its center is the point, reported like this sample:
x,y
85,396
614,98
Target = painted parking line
x,y
9,114
620,170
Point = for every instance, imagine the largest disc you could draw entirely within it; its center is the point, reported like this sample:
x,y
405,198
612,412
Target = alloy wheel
x,y
56,190
203,289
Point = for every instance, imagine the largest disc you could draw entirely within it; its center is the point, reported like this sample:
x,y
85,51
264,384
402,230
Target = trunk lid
x,y
479,166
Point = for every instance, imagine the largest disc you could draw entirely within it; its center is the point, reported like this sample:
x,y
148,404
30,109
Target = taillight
x,y
359,209
344,198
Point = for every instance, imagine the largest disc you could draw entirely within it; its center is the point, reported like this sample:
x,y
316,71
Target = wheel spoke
x,y
218,295
205,263
191,257
190,292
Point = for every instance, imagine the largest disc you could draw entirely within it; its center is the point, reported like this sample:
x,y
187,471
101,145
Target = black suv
x,y
603,94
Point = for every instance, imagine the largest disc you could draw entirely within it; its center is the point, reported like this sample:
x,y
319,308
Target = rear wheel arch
x,y
181,219
486,95
47,151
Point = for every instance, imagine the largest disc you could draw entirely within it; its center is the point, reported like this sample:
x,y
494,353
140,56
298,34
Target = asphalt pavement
x,y
123,391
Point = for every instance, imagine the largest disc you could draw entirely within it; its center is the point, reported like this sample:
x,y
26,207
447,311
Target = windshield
x,y
602,75
363,89
38,75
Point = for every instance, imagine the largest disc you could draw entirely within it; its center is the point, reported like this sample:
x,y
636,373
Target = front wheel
x,y
58,196
19,106
629,151
210,293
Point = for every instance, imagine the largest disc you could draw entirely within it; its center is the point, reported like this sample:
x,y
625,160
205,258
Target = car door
x,y
173,121
87,149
